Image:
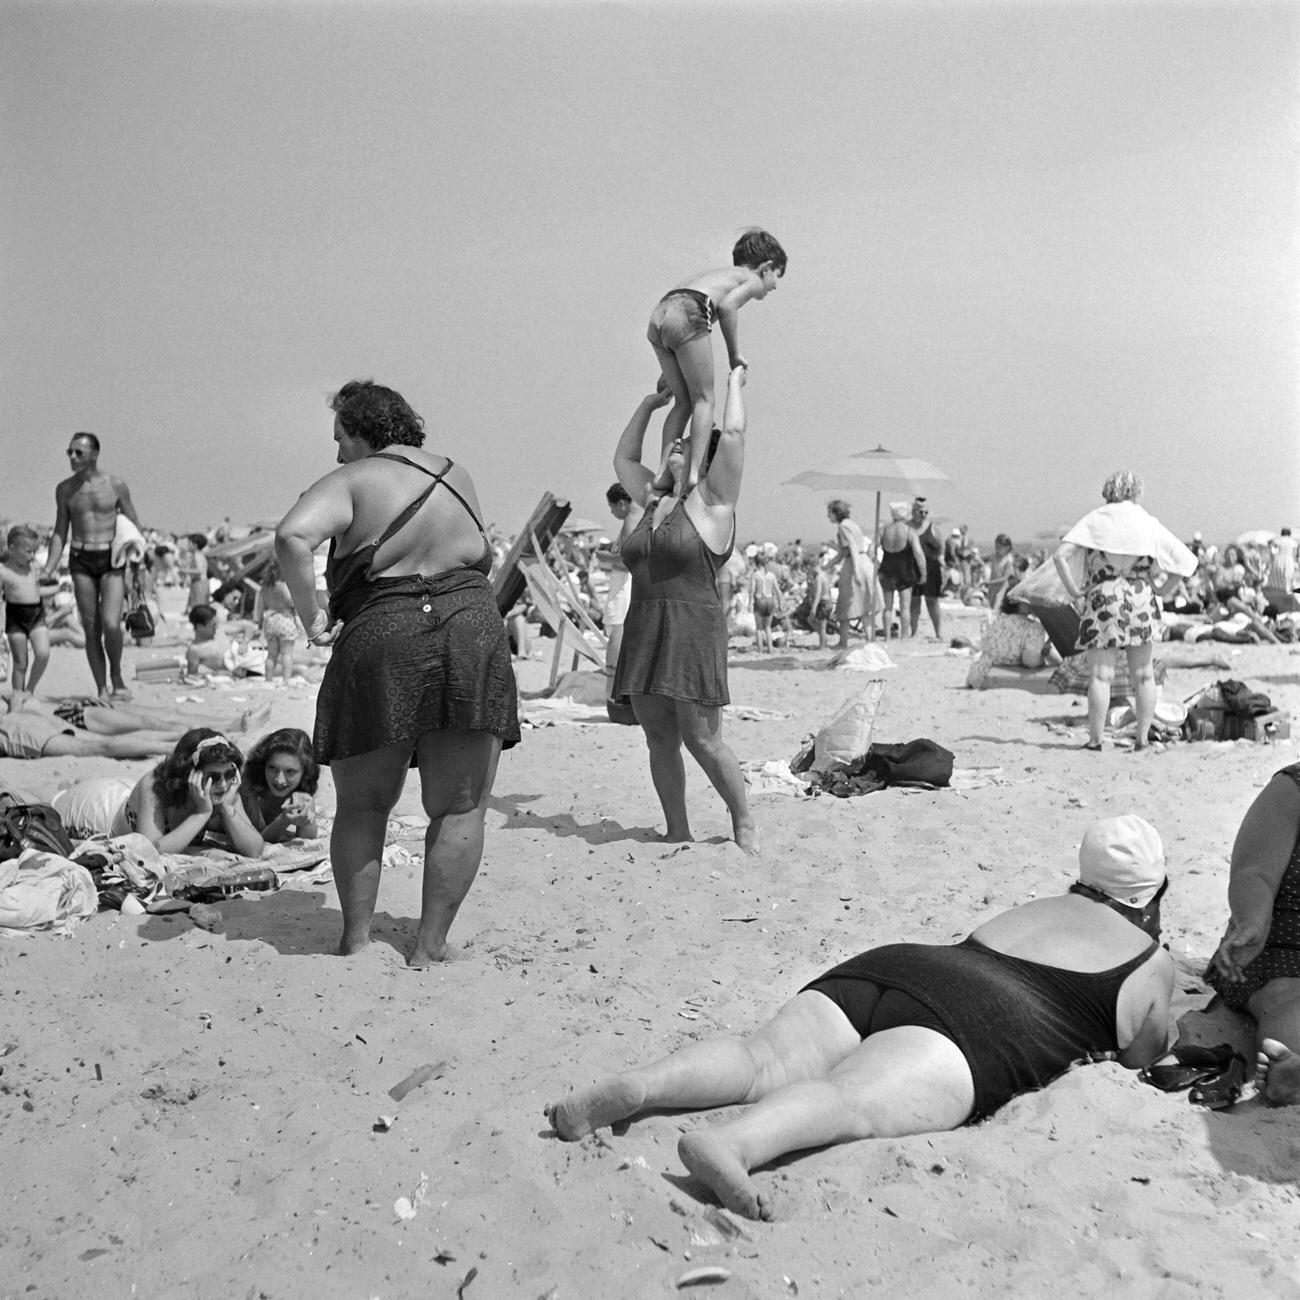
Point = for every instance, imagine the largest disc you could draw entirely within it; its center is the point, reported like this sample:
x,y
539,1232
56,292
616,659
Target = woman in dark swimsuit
x,y
673,661
420,675
917,1038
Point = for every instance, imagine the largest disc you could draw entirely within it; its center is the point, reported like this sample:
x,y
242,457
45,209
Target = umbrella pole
x,y
875,557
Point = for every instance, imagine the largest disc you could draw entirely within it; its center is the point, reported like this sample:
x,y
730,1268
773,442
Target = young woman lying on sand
x,y
280,777
191,799
918,1038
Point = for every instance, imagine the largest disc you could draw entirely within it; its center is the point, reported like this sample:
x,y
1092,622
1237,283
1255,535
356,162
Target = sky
x,y
1029,243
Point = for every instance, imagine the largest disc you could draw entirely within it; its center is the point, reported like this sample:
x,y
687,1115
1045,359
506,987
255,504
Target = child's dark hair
x,y
202,616
377,414
615,493
22,533
755,247
288,740
196,748
199,541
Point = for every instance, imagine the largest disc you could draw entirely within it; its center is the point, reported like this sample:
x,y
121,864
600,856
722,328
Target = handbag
x,y
26,826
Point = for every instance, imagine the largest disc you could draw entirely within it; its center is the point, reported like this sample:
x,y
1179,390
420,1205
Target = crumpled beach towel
x,y
913,763
44,892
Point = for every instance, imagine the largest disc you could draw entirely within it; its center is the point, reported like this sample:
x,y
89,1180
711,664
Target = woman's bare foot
x,y
714,1163
607,1101
1279,1073
423,955
252,718
745,833
352,942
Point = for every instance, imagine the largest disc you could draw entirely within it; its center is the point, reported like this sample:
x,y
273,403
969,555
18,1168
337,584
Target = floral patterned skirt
x,y
1119,611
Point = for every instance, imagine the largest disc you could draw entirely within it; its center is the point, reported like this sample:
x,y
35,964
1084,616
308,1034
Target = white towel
x,y
128,543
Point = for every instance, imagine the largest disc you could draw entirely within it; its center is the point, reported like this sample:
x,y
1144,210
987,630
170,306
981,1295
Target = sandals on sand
x,y
1214,1075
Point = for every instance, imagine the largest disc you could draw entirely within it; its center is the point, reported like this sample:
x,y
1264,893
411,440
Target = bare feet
x,y
608,1100
746,836
423,955
252,718
351,944
715,1164
1279,1073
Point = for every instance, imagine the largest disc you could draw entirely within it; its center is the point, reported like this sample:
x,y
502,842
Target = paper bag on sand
x,y
848,734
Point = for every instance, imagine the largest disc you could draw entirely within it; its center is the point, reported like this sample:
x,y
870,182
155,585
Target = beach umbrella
x,y
1255,537
576,525
879,470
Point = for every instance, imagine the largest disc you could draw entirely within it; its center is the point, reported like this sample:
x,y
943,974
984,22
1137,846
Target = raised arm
x,y
323,511
721,485
631,473
1062,561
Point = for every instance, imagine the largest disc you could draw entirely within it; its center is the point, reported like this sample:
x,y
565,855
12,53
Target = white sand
x,y
229,1149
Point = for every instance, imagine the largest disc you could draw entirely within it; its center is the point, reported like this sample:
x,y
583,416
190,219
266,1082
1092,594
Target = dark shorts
x,y
21,619
764,608
679,318
94,564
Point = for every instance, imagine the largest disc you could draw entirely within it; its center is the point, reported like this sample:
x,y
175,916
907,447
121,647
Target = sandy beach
x,y
197,1114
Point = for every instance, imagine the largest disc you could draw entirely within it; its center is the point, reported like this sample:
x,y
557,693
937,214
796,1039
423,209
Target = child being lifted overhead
x,y
680,329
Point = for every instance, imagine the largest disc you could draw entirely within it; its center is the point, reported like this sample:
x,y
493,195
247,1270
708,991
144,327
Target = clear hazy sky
x,y
1031,243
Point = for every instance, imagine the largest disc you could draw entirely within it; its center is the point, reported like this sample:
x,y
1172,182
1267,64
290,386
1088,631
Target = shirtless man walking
x,y
90,501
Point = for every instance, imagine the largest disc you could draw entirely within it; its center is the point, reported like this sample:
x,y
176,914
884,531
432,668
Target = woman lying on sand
x,y
191,799
918,1038
280,777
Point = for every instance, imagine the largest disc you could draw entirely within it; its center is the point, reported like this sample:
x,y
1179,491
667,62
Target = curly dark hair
x,y
755,247
288,740
171,778
377,414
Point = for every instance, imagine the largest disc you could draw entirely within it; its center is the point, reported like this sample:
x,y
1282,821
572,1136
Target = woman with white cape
x,y
1113,563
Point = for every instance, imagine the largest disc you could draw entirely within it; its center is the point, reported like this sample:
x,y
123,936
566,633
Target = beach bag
x,y
914,762
138,620
1240,705
31,826
848,734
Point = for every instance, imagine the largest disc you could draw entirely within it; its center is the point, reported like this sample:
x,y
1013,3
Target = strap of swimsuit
x,y
405,517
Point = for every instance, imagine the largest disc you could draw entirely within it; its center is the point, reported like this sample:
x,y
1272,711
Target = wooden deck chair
x,y
558,604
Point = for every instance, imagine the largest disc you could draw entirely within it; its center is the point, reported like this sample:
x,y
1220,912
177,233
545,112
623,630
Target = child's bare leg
x,y
678,416
695,362
40,644
18,673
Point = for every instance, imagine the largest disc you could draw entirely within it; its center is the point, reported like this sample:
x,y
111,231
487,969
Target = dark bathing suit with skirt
x,y
675,635
416,654
898,569
1018,1023
1281,956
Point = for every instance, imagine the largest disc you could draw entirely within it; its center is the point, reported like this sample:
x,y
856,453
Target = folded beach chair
x,y
557,601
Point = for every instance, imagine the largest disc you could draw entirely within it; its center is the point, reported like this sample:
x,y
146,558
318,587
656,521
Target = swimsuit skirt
x,y
416,654
1281,956
1119,608
675,635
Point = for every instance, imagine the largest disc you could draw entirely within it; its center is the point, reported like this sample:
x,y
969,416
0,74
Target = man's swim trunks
x,y
1018,1023
680,317
23,618
94,563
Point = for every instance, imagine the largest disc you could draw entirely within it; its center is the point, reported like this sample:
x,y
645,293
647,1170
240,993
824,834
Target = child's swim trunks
x,y
680,317
23,618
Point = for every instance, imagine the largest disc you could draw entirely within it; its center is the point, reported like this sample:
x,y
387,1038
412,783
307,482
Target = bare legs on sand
x,y
670,725
809,1081
457,769
99,606
1142,679
1276,1008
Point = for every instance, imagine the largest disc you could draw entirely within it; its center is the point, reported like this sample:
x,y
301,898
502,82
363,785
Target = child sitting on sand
x,y
24,614
280,777
679,332
190,801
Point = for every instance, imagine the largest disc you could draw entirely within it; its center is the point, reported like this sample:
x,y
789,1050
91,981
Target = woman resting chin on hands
x,y
191,799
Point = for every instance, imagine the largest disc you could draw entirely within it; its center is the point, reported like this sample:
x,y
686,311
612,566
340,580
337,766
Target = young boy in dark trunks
x,y
680,329
24,614
88,503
